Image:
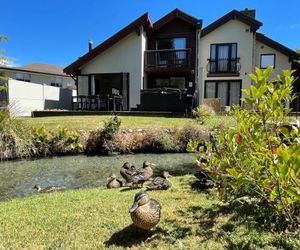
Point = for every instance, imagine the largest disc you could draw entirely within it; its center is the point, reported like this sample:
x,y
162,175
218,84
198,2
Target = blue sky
x,y
57,31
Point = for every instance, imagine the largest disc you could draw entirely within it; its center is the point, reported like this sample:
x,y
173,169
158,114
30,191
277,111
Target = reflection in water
x,y
18,178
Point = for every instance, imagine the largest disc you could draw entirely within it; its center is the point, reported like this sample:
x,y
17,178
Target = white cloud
x,y
295,26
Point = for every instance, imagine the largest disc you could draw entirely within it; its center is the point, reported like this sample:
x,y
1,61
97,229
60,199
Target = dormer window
x,y
223,58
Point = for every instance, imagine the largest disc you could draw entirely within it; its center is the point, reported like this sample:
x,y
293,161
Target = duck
x,y
127,171
49,189
142,175
145,212
113,182
160,183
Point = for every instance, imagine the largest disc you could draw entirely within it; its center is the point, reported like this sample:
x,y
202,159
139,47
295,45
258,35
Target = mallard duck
x,y
204,180
113,182
160,183
142,175
127,171
145,212
48,189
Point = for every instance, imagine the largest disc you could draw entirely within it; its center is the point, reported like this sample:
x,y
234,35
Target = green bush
x,y
101,140
202,112
253,158
15,138
56,142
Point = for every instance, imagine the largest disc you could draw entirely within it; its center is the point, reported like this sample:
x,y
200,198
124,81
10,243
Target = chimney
x,y
249,13
90,45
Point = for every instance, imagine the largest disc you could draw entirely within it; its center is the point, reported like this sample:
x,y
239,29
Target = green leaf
x,y
233,172
273,195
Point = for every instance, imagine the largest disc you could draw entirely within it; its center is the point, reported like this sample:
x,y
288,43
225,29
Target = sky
x,y
57,31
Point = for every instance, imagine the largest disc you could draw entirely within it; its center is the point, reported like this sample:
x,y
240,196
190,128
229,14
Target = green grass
x,y
93,122
98,218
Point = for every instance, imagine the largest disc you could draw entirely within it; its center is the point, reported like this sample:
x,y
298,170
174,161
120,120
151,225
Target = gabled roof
x,y
39,68
143,20
234,14
176,13
277,46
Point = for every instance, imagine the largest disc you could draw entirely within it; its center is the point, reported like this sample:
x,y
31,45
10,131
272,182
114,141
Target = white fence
x,y
25,97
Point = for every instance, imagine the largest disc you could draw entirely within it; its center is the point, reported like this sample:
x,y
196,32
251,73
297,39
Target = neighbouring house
x,y
174,63
36,87
41,73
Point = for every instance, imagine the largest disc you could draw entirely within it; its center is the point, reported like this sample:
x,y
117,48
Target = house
x,y
168,64
40,73
35,87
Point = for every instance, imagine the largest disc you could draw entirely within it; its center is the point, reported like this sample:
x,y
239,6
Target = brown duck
x,y
142,175
48,189
160,183
145,212
127,171
113,182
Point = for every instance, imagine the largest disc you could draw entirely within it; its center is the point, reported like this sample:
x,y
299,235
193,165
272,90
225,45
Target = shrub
x,y
254,159
101,140
183,135
56,142
15,138
158,141
202,112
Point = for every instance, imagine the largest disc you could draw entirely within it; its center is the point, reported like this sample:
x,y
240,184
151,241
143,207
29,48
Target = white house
x,y
163,65
40,73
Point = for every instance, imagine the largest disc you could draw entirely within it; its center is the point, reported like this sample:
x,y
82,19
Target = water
x,y
17,178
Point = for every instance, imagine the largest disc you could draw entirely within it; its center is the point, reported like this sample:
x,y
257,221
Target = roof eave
x,y
143,20
293,55
232,15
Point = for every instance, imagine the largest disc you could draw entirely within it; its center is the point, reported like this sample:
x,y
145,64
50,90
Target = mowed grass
x,y
99,219
94,122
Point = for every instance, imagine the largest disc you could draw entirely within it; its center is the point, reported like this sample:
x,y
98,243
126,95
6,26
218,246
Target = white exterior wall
x,y
24,97
281,60
124,56
42,78
233,31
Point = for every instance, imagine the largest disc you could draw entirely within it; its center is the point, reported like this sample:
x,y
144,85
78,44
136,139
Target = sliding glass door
x,y
229,92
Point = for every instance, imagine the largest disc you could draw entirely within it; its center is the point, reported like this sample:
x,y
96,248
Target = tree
x,y
3,59
298,51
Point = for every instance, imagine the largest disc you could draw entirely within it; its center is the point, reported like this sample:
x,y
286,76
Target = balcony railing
x,y
168,58
225,65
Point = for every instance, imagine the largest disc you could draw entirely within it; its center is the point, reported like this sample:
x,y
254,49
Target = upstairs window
x,y
223,58
171,43
56,81
22,77
267,60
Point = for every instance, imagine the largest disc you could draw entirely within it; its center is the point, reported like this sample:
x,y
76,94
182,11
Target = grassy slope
x,y
93,122
97,219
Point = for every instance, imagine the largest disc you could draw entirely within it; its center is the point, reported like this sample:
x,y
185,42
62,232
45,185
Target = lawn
x,y
93,122
98,218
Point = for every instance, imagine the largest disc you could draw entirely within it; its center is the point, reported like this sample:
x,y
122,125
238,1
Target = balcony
x,y
168,60
223,67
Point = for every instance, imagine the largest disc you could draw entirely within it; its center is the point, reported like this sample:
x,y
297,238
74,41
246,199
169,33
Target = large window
x,y
171,43
22,77
229,92
56,81
223,58
172,82
267,60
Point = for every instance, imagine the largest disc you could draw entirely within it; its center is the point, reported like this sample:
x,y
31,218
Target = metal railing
x,y
97,103
169,58
225,65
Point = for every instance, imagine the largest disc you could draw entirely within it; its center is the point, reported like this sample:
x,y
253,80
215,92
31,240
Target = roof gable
x,y
232,15
176,14
143,20
277,46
